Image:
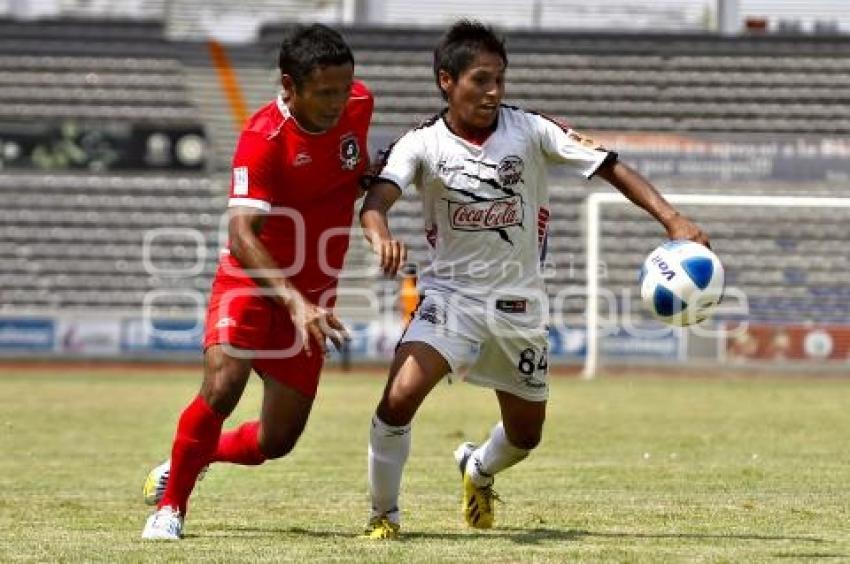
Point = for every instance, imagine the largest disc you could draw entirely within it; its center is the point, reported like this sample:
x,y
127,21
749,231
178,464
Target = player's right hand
x,y
682,228
391,254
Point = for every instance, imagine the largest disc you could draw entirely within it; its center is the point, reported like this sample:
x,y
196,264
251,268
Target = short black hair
x,y
458,46
306,47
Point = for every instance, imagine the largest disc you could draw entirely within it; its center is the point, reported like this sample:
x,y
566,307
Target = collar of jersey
x,y
464,139
284,111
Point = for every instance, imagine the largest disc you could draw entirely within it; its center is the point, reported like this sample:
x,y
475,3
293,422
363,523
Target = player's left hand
x,y
326,324
682,228
314,323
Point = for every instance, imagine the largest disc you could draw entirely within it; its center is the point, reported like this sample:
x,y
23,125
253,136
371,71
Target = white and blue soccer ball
x,y
682,282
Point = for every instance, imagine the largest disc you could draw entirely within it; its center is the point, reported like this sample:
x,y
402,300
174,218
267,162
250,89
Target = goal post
x,y
594,205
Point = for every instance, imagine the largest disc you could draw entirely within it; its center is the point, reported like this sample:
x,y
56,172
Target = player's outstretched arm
x,y
637,189
309,319
373,219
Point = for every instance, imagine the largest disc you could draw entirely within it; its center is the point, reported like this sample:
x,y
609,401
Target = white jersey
x,y
486,208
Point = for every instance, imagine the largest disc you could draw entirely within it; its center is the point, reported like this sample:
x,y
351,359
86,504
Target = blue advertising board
x,y
27,334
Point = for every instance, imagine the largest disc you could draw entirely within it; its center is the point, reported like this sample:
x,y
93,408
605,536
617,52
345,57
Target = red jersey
x,y
308,182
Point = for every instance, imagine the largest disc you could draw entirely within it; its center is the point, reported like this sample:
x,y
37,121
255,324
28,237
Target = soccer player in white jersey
x,y
480,169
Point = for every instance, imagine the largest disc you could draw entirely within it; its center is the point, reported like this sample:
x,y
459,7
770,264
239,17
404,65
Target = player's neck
x,y
303,124
474,135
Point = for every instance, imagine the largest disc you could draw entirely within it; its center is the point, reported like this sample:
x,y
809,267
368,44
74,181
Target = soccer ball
x,y
682,282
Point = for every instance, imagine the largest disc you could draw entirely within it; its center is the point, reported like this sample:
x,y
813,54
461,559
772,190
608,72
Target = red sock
x,y
194,443
241,446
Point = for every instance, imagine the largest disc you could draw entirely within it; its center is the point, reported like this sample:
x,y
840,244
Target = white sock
x,y
389,447
495,455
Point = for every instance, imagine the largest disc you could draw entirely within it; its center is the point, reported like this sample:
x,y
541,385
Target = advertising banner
x,y
640,345
371,341
567,343
570,343
780,343
162,335
182,338
26,334
715,157
101,146
88,336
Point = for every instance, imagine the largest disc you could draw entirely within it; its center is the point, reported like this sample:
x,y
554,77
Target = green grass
x,y
643,469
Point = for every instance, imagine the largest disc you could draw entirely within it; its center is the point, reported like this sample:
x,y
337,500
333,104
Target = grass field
x,y
642,469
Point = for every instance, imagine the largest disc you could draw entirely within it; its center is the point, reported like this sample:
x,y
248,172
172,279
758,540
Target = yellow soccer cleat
x,y
478,501
380,527
154,487
155,483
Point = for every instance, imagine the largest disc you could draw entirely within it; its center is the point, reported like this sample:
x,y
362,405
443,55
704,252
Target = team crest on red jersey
x,y
349,151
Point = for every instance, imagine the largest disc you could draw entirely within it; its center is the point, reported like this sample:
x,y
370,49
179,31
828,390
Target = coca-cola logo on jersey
x,y
482,216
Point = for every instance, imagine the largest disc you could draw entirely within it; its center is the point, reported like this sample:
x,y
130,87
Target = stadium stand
x,y
691,82
76,241
68,69
87,109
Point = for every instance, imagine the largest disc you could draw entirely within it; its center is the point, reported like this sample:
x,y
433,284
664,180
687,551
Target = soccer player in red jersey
x,y
296,175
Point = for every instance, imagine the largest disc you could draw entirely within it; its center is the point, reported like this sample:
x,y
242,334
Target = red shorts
x,y
241,316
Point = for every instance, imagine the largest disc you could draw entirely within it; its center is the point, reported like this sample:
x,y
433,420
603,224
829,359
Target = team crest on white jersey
x,y
510,170
486,215
349,151
432,312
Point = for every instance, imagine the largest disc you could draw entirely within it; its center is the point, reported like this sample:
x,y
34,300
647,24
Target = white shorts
x,y
503,346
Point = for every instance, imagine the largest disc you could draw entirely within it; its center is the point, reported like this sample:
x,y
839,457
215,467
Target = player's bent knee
x,y
277,447
397,409
525,438
220,399
224,381
528,441
222,391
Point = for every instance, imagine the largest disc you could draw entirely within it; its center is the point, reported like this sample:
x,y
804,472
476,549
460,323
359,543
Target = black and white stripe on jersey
x,y
550,119
610,158
384,155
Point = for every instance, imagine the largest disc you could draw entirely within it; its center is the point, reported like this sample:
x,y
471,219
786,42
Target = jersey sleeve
x,y
362,96
399,163
253,171
564,145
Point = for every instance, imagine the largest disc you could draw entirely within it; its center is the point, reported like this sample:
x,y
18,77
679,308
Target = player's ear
x,y
446,81
288,84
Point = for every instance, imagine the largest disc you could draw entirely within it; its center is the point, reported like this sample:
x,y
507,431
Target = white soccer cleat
x,y
154,487
462,454
165,523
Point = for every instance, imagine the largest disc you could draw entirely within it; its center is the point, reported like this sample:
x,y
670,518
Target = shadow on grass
x,y
697,536
799,555
543,534
240,531
521,536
